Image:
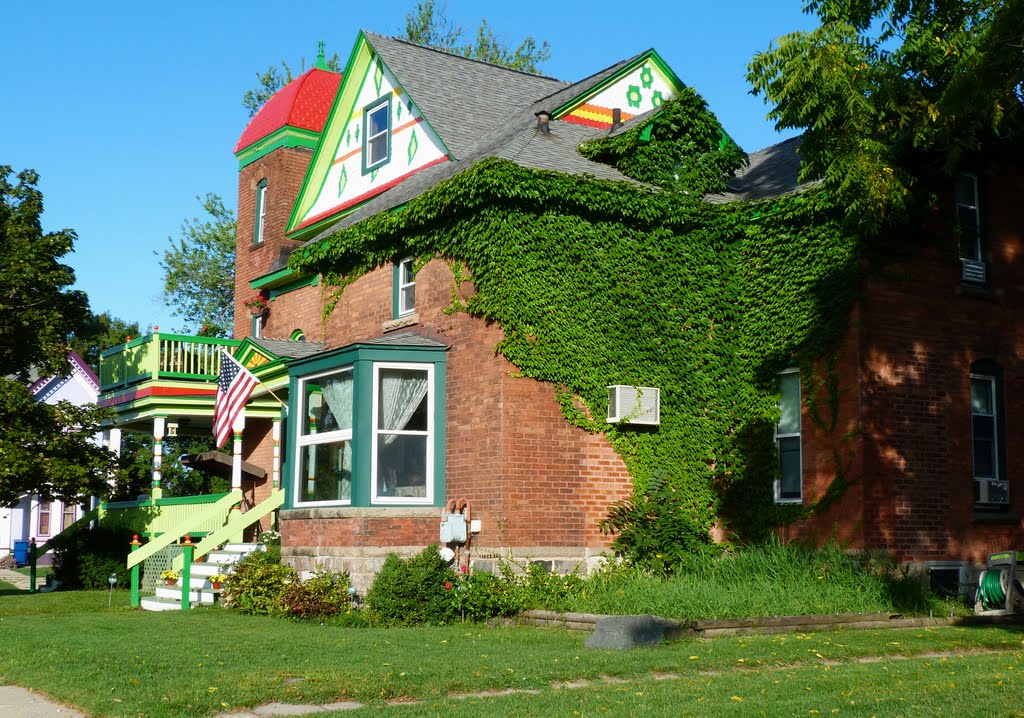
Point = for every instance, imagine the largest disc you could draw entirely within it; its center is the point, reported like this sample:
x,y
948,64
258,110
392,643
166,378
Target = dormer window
x,y
261,212
376,134
968,219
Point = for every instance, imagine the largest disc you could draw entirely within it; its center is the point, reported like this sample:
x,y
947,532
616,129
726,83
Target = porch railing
x,y
153,518
162,356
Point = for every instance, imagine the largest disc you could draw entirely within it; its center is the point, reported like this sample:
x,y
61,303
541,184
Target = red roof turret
x,y
303,103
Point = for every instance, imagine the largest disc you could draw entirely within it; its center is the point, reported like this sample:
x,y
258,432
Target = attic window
x,y
261,212
377,133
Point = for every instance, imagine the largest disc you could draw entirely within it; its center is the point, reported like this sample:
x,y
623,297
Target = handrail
x,y
173,534
169,356
236,523
76,526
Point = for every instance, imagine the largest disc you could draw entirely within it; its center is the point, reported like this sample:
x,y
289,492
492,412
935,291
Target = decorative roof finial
x,y
321,64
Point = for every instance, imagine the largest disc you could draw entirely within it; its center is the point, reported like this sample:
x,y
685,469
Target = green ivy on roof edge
x,y
597,282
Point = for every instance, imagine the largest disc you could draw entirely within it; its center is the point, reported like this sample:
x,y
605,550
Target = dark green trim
x,y
361,358
189,500
310,281
559,112
384,99
287,137
396,278
258,224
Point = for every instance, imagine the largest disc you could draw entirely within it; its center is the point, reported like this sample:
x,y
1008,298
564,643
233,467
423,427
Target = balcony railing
x,y
162,356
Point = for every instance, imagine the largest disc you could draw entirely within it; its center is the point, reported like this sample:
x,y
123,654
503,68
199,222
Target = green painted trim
x,y
362,431
376,104
281,276
190,500
331,135
560,112
288,137
440,431
310,281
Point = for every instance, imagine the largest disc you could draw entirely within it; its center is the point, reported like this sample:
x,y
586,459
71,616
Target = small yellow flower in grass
x,y
737,699
223,704
211,689
694,658
813,712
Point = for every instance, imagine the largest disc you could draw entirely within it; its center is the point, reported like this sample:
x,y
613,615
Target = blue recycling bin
x,y
21,552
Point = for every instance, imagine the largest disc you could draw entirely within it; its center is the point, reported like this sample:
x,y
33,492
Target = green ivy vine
x,y
597,283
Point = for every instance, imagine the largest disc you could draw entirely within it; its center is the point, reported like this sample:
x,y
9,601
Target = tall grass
x,y
766,580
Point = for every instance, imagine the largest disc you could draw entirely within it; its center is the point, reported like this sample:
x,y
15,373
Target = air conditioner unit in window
x,y
634,405
972,271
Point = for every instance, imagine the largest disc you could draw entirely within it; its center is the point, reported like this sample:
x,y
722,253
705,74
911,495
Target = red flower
x,y
464,568
448,585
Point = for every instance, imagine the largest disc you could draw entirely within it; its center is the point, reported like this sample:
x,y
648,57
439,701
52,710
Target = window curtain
x,y
400,395
337,391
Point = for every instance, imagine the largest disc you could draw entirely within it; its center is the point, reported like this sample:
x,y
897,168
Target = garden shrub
x,y
8,562
257,583
86,558
414,591
324,594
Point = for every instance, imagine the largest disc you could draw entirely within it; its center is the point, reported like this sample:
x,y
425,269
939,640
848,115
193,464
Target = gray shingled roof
x,y
288,348
410,338
771,172
436,84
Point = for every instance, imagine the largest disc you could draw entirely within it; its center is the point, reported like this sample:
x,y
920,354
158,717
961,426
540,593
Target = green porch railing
x,y
36,551
235,525
166,356
152,518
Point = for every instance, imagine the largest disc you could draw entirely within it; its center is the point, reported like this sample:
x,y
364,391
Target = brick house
x,y
398,411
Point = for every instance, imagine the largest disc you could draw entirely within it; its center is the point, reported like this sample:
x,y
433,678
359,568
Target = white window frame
x,y
777,486
428,498
45,507
402,308
309,442
984,481
261,212
368,139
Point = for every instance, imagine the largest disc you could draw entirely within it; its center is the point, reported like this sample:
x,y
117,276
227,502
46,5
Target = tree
x,y
199,270
425,25
44,449
135,467
102,331
889,92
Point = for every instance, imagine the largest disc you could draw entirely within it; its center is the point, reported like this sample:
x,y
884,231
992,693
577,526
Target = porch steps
x,y
201,591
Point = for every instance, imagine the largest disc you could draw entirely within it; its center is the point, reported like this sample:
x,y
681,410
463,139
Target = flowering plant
x,y
218,578
257,304
169,575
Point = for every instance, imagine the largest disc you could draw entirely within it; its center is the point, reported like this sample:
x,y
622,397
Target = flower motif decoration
x,y
633,96
657,98
646,77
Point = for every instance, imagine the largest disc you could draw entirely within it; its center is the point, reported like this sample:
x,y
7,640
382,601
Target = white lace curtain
x,y
337,391
401,392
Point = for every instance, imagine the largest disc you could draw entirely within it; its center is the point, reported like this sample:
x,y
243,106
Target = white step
x,y
201,594
154,603
244,547
207,568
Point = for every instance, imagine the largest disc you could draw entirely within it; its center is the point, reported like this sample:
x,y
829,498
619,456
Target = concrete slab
x,y
17,702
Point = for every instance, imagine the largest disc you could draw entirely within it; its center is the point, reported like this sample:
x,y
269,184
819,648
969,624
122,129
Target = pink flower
x,y
464,568
448,585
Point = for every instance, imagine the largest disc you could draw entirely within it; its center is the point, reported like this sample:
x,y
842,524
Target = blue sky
x,y
130,110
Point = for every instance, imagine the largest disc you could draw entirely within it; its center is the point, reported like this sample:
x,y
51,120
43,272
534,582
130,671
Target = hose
x,y
992,590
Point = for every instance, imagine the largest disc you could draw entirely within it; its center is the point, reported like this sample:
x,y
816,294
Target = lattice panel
x,y
152,566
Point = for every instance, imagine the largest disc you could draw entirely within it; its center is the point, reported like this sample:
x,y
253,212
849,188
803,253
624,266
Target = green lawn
x,y
120,662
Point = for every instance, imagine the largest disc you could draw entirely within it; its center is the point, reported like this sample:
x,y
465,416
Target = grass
x,y
767,580
120,662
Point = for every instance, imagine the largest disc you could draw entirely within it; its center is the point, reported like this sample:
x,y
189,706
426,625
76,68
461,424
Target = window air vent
x,y
972,271
634,405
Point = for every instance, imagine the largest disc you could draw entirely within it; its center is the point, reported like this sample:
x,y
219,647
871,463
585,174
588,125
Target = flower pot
x,y
169,581
216,586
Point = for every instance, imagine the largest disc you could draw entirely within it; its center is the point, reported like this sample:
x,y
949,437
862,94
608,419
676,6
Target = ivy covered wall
x,y
597,283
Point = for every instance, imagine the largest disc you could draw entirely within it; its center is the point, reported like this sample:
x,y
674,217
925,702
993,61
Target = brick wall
x,y
917,332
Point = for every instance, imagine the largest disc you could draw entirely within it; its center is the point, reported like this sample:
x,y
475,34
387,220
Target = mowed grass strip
x,y
120,662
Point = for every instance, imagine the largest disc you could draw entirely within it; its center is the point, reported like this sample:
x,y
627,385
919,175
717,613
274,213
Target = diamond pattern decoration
x,y
378,75
414,144
342,181
373,174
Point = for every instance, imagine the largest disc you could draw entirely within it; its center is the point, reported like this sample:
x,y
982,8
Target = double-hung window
x,y
369,425
402,427
968,220
261,213
405,288
325,439
43,529
789,485
376,134
990,485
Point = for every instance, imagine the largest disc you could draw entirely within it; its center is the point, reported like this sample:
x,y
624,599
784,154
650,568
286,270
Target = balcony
x,y
156,357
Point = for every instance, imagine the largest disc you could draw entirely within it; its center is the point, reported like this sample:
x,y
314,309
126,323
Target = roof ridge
x,y
457,56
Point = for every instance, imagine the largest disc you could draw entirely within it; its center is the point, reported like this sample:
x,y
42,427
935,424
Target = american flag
x,y
234,386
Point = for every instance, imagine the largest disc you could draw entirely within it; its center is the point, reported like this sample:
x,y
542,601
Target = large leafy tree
x,y
99,332
44,449
199,270
889,92
429,25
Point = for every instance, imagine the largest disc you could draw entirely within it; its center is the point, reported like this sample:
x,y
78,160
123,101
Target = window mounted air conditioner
x,y
972,271
634,405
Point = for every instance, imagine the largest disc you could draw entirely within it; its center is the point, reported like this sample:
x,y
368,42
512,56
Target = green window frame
x,y
988,437
369,427
789,484
376,134
259,226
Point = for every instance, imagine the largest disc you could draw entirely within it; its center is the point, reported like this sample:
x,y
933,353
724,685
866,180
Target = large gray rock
x,y
622,632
